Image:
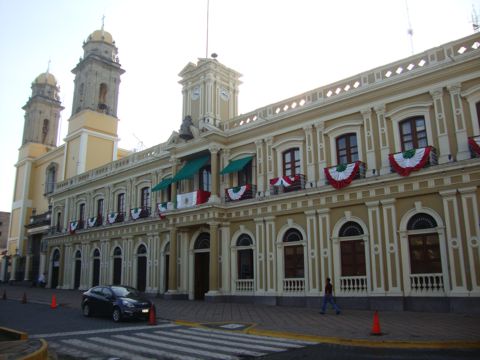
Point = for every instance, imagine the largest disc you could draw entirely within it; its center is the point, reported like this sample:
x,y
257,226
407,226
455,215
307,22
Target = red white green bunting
x,y
411,160
73,226
136,213
342,175
475,144
162,207
192,198
237,192
92,221
112,217
284,180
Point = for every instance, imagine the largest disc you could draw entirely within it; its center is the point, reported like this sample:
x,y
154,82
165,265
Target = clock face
x,y
224,94
196,93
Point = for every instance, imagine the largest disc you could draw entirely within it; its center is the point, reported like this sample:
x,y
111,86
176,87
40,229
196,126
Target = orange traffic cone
x,y
376,325
54,302
152,319
4,297
24,298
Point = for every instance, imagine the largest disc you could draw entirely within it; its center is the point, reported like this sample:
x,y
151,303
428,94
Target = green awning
x,y
236,165
162,185
190,168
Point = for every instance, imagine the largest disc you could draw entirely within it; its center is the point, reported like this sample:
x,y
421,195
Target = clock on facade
x,y
196,93
224,94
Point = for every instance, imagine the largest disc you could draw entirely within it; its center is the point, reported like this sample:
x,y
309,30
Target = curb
x,y
390,344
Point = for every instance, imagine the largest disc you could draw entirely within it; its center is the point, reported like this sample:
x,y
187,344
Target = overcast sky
x,y
282,48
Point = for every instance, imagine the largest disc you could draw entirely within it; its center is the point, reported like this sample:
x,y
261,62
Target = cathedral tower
x,y
92,130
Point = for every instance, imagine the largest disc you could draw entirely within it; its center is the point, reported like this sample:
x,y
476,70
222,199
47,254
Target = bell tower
x,y
210,91
92,138
42,112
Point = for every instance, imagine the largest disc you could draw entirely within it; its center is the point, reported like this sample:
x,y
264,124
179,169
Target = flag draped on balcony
x,y
411,160
474,143
342,175
92,221
162,207
192,198
285,181
73,226
136,213
237,192
112,217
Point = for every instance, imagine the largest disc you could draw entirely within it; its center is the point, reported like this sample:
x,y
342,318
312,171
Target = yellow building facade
x,y
371,181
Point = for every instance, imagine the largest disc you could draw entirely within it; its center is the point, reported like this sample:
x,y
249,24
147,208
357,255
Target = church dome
x,y
101,35
46,78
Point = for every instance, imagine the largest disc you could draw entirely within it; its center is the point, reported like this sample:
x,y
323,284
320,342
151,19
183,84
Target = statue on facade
x,y
185,128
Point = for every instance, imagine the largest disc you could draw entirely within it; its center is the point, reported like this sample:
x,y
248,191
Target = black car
x,y
119,302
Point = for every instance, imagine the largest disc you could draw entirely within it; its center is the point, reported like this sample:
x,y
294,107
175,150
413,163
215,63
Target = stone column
x,y
270,163
371,159
312,252
463,151
383,139
174,161
225,183
392,249
260,167
442,131
213,269
215,174
376,250
322,162
260,274
172,266
28,260
310,157
14,267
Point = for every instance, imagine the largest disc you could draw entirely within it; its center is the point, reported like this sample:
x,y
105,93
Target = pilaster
x,y
321,156
369,141
461,135
310,155
392,249
376,250
383,139
442,130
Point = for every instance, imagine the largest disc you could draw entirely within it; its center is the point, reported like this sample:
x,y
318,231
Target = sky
x,y
281,47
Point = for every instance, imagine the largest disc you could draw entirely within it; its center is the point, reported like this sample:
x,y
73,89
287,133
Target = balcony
x,y
191,199
238,193
405,162
115,217
95,221
76,225
140,212
342,175
474,146
285,184
427,284
40,219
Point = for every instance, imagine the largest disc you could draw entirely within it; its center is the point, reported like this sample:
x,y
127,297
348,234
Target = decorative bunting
x,y
135,213
92,221
237,192
342,175
112,217
284,180
73,226
474,144
162,207
411,160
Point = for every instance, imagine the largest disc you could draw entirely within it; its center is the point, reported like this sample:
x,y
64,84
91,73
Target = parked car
x,y
119,302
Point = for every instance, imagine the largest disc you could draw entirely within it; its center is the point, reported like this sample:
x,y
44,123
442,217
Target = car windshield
x,y
124,291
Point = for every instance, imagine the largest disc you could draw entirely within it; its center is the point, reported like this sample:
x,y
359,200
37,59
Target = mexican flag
x,y
192,198
112,217
135,213
73,226
474,144
237,192
284,180
411,160
342,175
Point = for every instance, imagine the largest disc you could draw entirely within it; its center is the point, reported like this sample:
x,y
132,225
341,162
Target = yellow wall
x,y
14,221
100,152
73,148
93,120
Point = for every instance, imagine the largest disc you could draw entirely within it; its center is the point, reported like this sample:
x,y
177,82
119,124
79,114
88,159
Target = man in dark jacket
x,y
328,298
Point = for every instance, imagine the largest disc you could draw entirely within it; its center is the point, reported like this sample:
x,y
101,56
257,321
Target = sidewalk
x,y
352,327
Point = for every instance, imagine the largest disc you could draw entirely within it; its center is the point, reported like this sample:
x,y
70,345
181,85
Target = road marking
x,y
224,340
101,331
176,348
104,350
69,350
141,349
181,340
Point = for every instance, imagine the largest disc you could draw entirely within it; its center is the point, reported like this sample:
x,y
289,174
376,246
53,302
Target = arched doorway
x,y
96,268
202,266
141,268
55,269
117,266
78,269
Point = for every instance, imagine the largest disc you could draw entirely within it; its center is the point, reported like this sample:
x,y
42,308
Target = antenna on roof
x,y
475,23
103,23
409,30
48,66
208,8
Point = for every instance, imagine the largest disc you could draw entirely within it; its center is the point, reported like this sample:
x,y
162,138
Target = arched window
x,y
424,248
117,252
142,250
102,97
45,128
117,266
202,242
413,133
51,177
347,148
293,254
291,162
96,253
245,257
352,251
78,254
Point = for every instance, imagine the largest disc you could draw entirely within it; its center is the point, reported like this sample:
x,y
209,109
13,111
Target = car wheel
x,y
87,311
117,315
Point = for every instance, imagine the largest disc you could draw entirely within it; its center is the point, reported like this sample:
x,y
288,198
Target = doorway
x,y
202,274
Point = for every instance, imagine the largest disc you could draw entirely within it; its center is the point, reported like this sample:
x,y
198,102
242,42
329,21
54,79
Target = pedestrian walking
x,y
328,298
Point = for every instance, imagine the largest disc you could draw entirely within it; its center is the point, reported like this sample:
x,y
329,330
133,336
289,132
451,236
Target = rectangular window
x,y
294,267
245,175
413,133
291,162
353,258
347,149
100,207
121,203
145,199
